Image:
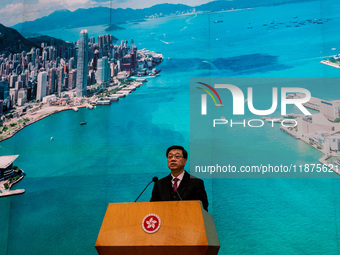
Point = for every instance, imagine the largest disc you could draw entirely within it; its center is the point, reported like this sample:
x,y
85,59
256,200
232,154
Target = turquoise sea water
x,y
71,179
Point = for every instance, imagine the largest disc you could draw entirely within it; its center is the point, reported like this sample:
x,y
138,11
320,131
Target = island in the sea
x,y
113,27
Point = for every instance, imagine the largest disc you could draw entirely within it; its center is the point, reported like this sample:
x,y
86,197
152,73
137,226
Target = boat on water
x,y
218,21
141,80
155,71
337,162
104,102
52,138
111,98
83,123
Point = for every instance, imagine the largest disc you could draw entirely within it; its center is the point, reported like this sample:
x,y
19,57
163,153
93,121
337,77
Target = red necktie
x,y
175,183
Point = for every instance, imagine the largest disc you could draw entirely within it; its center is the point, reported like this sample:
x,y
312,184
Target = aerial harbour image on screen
x,y
93,92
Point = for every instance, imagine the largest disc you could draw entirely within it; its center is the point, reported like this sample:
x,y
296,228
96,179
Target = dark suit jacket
x,y
190,188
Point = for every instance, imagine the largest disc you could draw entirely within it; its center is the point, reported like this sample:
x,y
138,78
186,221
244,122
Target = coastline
x,y
48,110
11,134
329,63
324,159
8,192
314,103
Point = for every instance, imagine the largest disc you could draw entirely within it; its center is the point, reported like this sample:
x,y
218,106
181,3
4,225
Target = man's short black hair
x,y
177,147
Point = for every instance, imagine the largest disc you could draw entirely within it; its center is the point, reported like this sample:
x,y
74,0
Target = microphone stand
x,y
154,179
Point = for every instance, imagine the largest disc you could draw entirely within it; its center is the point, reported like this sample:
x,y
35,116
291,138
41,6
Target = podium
x,y
162,228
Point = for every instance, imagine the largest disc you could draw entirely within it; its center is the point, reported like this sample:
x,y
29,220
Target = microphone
x,y
173,187
154,179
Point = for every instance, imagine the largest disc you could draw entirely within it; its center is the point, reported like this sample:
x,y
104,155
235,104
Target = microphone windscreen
x,y
154,179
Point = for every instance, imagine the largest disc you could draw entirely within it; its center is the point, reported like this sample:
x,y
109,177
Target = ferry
x,y
103,102
141,80
112,98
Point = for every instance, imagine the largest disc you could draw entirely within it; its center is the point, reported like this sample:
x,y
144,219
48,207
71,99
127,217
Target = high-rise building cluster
x,y
52,69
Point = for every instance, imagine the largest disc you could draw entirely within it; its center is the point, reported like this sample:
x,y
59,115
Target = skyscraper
x,y
83,49
103,71
71,63
13,78
60,81
42,84
22,96
72,80
1,106
52,81
4,90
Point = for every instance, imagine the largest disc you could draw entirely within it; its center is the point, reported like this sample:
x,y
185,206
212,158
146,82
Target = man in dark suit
x,y
179,185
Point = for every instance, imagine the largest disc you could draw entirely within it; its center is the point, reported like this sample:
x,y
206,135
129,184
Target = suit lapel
x,y
168,187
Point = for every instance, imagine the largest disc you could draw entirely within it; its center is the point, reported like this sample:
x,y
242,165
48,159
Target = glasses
x,y
174,156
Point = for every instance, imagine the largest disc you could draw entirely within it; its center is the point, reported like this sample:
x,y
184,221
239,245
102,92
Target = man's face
x,y
176,161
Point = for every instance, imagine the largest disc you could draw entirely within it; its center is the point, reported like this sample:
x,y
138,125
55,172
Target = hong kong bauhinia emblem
x,y
151,223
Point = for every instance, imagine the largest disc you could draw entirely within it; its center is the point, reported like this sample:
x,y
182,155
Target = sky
x,y
16,11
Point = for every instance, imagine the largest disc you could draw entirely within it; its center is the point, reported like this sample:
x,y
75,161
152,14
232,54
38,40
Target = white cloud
x,y
65,3
13,9
11,14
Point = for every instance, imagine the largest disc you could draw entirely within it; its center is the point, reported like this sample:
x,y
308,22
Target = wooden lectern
x,y
185,228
